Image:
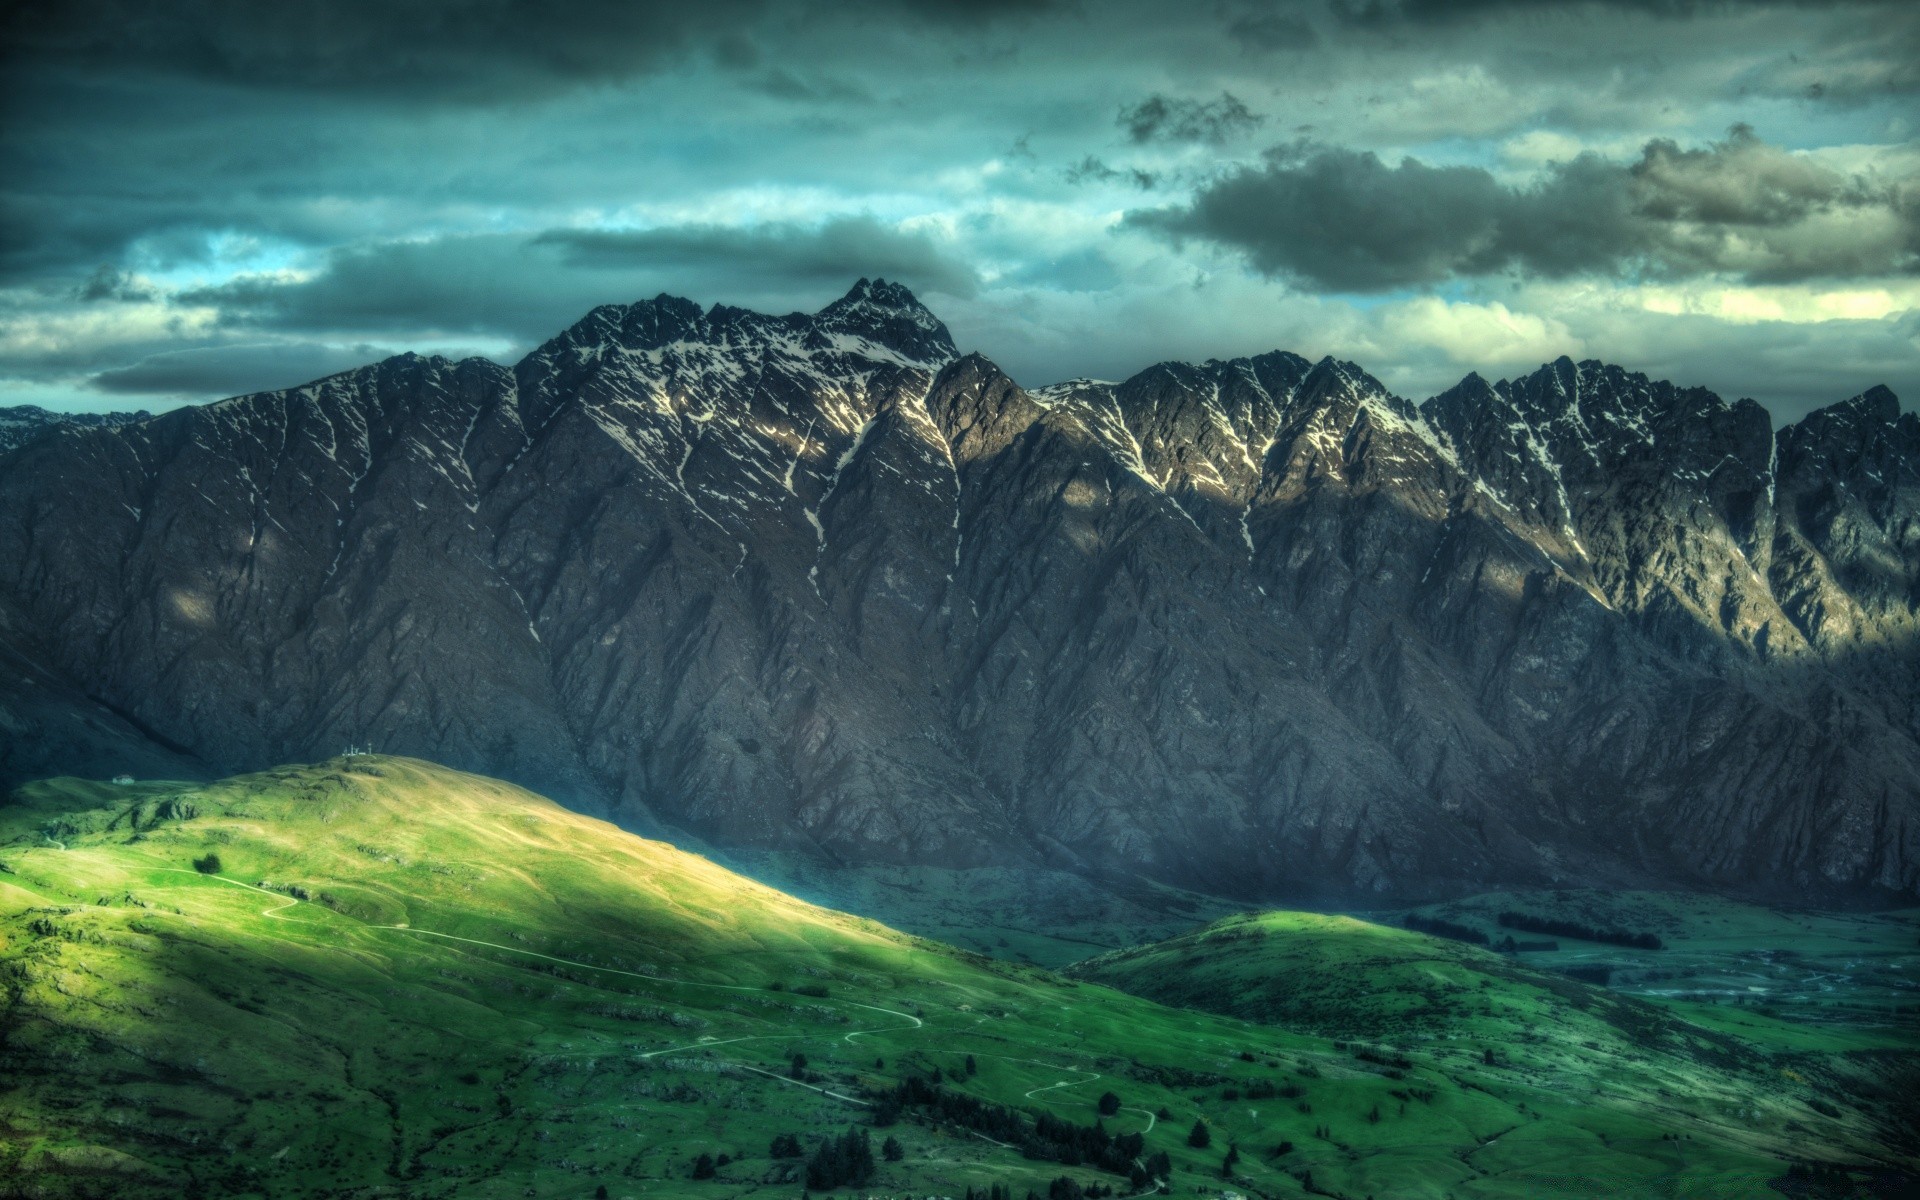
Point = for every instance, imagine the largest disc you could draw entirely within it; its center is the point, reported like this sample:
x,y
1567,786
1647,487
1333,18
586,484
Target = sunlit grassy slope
x,y
1024,914
405,981
1606,1063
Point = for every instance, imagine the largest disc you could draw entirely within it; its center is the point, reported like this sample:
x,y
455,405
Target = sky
x,y
201,198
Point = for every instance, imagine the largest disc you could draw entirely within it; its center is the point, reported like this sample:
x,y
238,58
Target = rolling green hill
x,y
1609,1062
384,978
1833,980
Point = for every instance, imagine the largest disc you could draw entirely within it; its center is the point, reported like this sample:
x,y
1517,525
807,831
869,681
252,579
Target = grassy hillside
x,y
401,980
1024,914
1605,1063
1790,978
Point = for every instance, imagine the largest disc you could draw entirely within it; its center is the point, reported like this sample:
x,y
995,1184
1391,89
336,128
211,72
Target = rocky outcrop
x,y
817,581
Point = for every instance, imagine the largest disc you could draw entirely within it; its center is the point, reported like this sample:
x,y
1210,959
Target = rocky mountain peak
x,y
1256,624
978,408
1864,446
889,315
1876,407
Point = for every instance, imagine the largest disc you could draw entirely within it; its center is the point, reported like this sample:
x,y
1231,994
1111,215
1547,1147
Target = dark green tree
x,y
892,1150
209,865
847,1159
1201,1137
1109,1104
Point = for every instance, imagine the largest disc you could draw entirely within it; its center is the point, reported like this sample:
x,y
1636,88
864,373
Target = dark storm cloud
x,y
1869,49
1163,119
1268,30
784,252
473,48
526,287
1387,12
479,51
232,370
473,283
266,180
1092,169
1345,220
110,283
786,85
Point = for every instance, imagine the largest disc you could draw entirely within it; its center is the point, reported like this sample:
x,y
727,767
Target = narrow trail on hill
x,y
705,1044
265,912
724,987
810,1087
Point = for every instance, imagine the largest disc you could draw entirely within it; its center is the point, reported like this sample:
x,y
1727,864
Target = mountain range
x,y
20,422
821,583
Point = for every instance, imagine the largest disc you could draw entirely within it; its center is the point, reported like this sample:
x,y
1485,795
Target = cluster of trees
x,y
1046,1137
1062,1188
1064,1142
842,1161
786,1145
1445,929
996,1121
1586,933
209,865
801,989
1398,1062
1821,1174
1262,1089
1507,945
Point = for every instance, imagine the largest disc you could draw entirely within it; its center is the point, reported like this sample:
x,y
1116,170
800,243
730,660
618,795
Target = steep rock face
x,y
48,726
1722,731
818,581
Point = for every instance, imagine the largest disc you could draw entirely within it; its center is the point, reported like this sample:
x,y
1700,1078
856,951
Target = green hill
x,y
384,978
1604,1064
